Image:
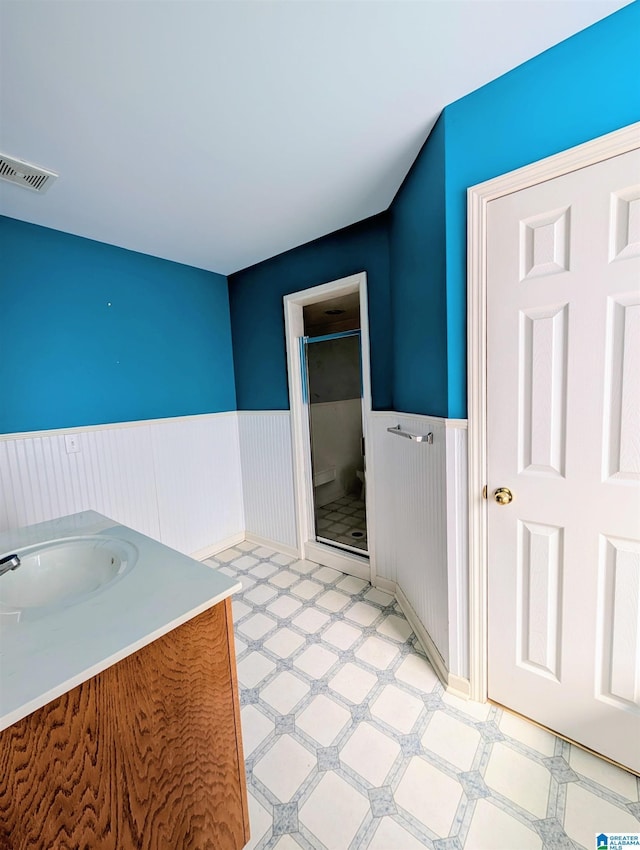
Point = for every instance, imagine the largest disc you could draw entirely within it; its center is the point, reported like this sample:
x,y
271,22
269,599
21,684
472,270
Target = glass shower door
x,y
332,390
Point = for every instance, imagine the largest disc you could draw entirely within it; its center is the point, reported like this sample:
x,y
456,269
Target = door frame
x,y
478,197
353,564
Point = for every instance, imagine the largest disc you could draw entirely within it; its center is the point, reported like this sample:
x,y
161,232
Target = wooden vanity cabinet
x,y
146,755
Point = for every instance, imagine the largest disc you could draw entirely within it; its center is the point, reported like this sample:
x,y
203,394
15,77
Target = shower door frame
x,y
305,342
310,548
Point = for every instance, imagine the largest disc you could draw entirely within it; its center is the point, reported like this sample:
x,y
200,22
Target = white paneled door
x,y
563,449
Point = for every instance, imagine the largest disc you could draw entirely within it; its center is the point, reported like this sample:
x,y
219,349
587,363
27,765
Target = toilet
x,y
360,477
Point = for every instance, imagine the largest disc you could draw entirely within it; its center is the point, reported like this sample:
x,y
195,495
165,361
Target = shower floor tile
x,y
351,742
339,521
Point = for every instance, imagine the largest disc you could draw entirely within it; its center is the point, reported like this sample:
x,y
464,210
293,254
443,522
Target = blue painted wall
x,y
418,291
578,90
257,313
162,349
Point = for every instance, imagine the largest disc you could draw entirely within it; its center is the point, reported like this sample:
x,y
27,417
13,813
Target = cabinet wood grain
x,y
146,755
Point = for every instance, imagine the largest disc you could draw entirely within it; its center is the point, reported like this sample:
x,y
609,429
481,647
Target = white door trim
x,y
303,478
478,197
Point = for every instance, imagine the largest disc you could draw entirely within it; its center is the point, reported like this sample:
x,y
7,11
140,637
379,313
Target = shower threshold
x,y
344,546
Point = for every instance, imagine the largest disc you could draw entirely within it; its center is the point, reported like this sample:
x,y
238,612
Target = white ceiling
x,y
218,134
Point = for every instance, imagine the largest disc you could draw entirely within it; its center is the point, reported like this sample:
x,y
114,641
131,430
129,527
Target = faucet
x,y
9,562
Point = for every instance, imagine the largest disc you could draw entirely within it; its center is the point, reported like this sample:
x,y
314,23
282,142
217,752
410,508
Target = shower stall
x,y
332,393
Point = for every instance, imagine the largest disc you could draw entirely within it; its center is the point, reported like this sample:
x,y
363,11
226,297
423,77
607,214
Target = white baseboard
x,y
384,584
455,685
459,686
271,544
423,636
220,546
230,542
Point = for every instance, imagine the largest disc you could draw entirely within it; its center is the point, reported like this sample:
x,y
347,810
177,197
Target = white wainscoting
x,y
112,474
457,548
198,481
267,476
177,480
419,509
380,499
417,473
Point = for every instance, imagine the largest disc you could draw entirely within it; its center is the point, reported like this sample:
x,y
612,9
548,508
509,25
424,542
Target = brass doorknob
x,y
503,496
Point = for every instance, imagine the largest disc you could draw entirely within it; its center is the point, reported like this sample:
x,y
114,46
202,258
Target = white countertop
x,y
42,658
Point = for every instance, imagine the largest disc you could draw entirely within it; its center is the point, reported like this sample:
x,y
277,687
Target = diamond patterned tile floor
x,y
351,742
344,521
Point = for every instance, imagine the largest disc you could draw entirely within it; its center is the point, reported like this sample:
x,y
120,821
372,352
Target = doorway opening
x,y
332,383
330,393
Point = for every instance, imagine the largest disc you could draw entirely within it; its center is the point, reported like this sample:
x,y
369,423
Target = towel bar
x,y
419,438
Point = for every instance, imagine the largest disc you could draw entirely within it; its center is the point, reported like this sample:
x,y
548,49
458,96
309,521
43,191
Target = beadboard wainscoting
x,y
177,480
417,522
420,514
202,483
417,516
267,477
458,551
380,499
198,481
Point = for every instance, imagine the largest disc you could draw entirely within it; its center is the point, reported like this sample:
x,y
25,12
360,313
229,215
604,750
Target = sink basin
x,y
65,571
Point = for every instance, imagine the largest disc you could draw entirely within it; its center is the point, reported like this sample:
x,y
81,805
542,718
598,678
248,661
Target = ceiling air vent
x,y
25,174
